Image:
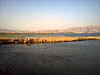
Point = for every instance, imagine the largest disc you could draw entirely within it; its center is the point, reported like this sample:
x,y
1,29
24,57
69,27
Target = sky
x,y
48,14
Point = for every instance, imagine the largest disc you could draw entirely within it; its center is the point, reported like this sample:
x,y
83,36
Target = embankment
x,y
44,40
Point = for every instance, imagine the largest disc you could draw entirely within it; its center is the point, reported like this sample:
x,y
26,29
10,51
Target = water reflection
x,y
29,45
50,58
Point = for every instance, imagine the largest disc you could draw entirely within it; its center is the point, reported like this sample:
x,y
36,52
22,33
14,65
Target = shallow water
x,y
38,35
69,58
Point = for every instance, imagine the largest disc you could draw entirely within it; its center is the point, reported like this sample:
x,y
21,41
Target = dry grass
x,y
6,40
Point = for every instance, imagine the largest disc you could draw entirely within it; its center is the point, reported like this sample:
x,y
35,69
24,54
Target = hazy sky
x,y
48,14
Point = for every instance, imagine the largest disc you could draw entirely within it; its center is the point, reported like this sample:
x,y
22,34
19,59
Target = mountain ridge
x,y
83,29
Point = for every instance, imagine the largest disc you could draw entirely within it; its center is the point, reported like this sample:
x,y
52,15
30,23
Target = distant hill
x,y
13,31
85,29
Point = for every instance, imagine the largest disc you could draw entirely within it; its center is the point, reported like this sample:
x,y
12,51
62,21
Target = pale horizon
x,y
50,29
34,15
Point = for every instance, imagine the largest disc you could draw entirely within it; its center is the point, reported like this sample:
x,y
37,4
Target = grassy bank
x,y
5,40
